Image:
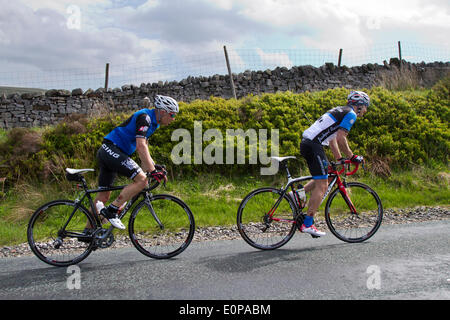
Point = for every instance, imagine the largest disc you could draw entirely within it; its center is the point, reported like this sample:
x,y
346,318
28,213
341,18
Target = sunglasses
x,y
172,115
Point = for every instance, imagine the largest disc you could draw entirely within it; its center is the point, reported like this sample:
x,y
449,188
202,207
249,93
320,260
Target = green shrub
x,y
401,128
442,88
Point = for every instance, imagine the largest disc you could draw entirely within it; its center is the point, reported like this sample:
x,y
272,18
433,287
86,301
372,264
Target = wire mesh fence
x,y
176,68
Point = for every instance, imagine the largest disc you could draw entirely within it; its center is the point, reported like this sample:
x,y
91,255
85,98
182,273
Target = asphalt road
x,y
408,261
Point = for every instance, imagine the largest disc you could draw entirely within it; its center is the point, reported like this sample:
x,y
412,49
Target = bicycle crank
x,y
103,238
299,219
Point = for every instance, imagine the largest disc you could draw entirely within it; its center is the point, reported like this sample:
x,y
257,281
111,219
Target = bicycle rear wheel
x,y
54,244
354,227
161,228
256,226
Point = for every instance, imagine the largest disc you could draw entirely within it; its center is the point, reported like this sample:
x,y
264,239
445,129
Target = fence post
x,y
233,89
340,57
106,76
400,53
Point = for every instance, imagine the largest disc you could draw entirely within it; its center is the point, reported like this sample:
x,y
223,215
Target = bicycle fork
x,y
344,193
152,211
347,199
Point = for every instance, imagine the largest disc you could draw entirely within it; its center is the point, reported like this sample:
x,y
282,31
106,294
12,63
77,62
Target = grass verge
x,y
214,199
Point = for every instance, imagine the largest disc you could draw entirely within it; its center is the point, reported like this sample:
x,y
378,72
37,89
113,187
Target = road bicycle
x,y
267,218
161,226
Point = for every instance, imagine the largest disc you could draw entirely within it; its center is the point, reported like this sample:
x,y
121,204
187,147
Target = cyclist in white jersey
x,y
331,129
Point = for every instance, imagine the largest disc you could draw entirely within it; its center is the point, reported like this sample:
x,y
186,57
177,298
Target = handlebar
x,y
153,183
332,169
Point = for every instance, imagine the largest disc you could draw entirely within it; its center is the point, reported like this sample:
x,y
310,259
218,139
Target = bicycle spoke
x,y
50,242
258,227
347,225
162,228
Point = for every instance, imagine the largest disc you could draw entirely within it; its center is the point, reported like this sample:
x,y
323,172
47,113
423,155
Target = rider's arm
x,y
335,149
147,163
143,123
341,137
342,143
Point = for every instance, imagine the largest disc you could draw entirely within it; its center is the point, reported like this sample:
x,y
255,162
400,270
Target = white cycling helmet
x,y
166,103
358,98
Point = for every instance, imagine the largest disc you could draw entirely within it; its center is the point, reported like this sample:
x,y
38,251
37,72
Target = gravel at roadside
x,y
391,216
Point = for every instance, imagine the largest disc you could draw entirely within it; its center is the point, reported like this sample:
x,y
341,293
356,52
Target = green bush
x,y
401,128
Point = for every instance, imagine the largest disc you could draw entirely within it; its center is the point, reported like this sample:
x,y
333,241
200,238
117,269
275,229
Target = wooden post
x,y
340,58
233,89
400,53
106,76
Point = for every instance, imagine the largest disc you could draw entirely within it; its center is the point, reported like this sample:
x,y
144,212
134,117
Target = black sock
x,y
111,211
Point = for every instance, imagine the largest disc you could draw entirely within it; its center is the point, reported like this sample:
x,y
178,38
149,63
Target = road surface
x,y
403,261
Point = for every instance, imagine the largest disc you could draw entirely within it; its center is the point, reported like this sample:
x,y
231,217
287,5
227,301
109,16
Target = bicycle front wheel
x,y
162,227
354,226
55,233
260,229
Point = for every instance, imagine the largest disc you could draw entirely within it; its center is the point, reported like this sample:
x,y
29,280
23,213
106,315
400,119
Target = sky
x,y
70,41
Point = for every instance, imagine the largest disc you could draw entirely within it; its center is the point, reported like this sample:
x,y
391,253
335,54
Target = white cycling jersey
x,y
326,127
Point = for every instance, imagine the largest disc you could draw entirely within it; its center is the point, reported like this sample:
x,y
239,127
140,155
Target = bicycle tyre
x,y
44,228
344,224
157,242
252,220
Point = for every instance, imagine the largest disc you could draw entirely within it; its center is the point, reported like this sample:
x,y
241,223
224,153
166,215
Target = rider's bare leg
x,y
138,184
319,187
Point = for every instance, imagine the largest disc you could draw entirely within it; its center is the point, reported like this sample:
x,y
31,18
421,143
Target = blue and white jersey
x,y
326,127
141,124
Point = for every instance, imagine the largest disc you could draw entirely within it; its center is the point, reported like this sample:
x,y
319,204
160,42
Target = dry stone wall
x,y
37,109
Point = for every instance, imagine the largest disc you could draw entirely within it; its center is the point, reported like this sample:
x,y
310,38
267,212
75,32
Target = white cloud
x,y
224,4
61,5
34,33
274,59
336,23
42,37
149,4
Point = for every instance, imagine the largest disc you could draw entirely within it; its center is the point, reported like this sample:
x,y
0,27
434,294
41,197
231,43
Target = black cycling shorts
x,y
315,158
113,161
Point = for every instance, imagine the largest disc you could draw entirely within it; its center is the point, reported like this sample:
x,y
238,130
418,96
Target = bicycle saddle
x,y
282,159
76,171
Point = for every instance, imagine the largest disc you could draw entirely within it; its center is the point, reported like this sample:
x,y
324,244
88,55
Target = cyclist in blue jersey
x,y
114,155
331,129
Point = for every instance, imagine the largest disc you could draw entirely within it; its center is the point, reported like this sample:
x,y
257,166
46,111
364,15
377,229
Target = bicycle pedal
x,y
315,237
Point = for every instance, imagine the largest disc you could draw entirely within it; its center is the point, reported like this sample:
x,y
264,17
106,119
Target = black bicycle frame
x,y
284,190
88,192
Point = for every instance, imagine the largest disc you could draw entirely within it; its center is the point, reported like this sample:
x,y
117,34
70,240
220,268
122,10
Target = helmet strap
x,y
356,108
158,115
